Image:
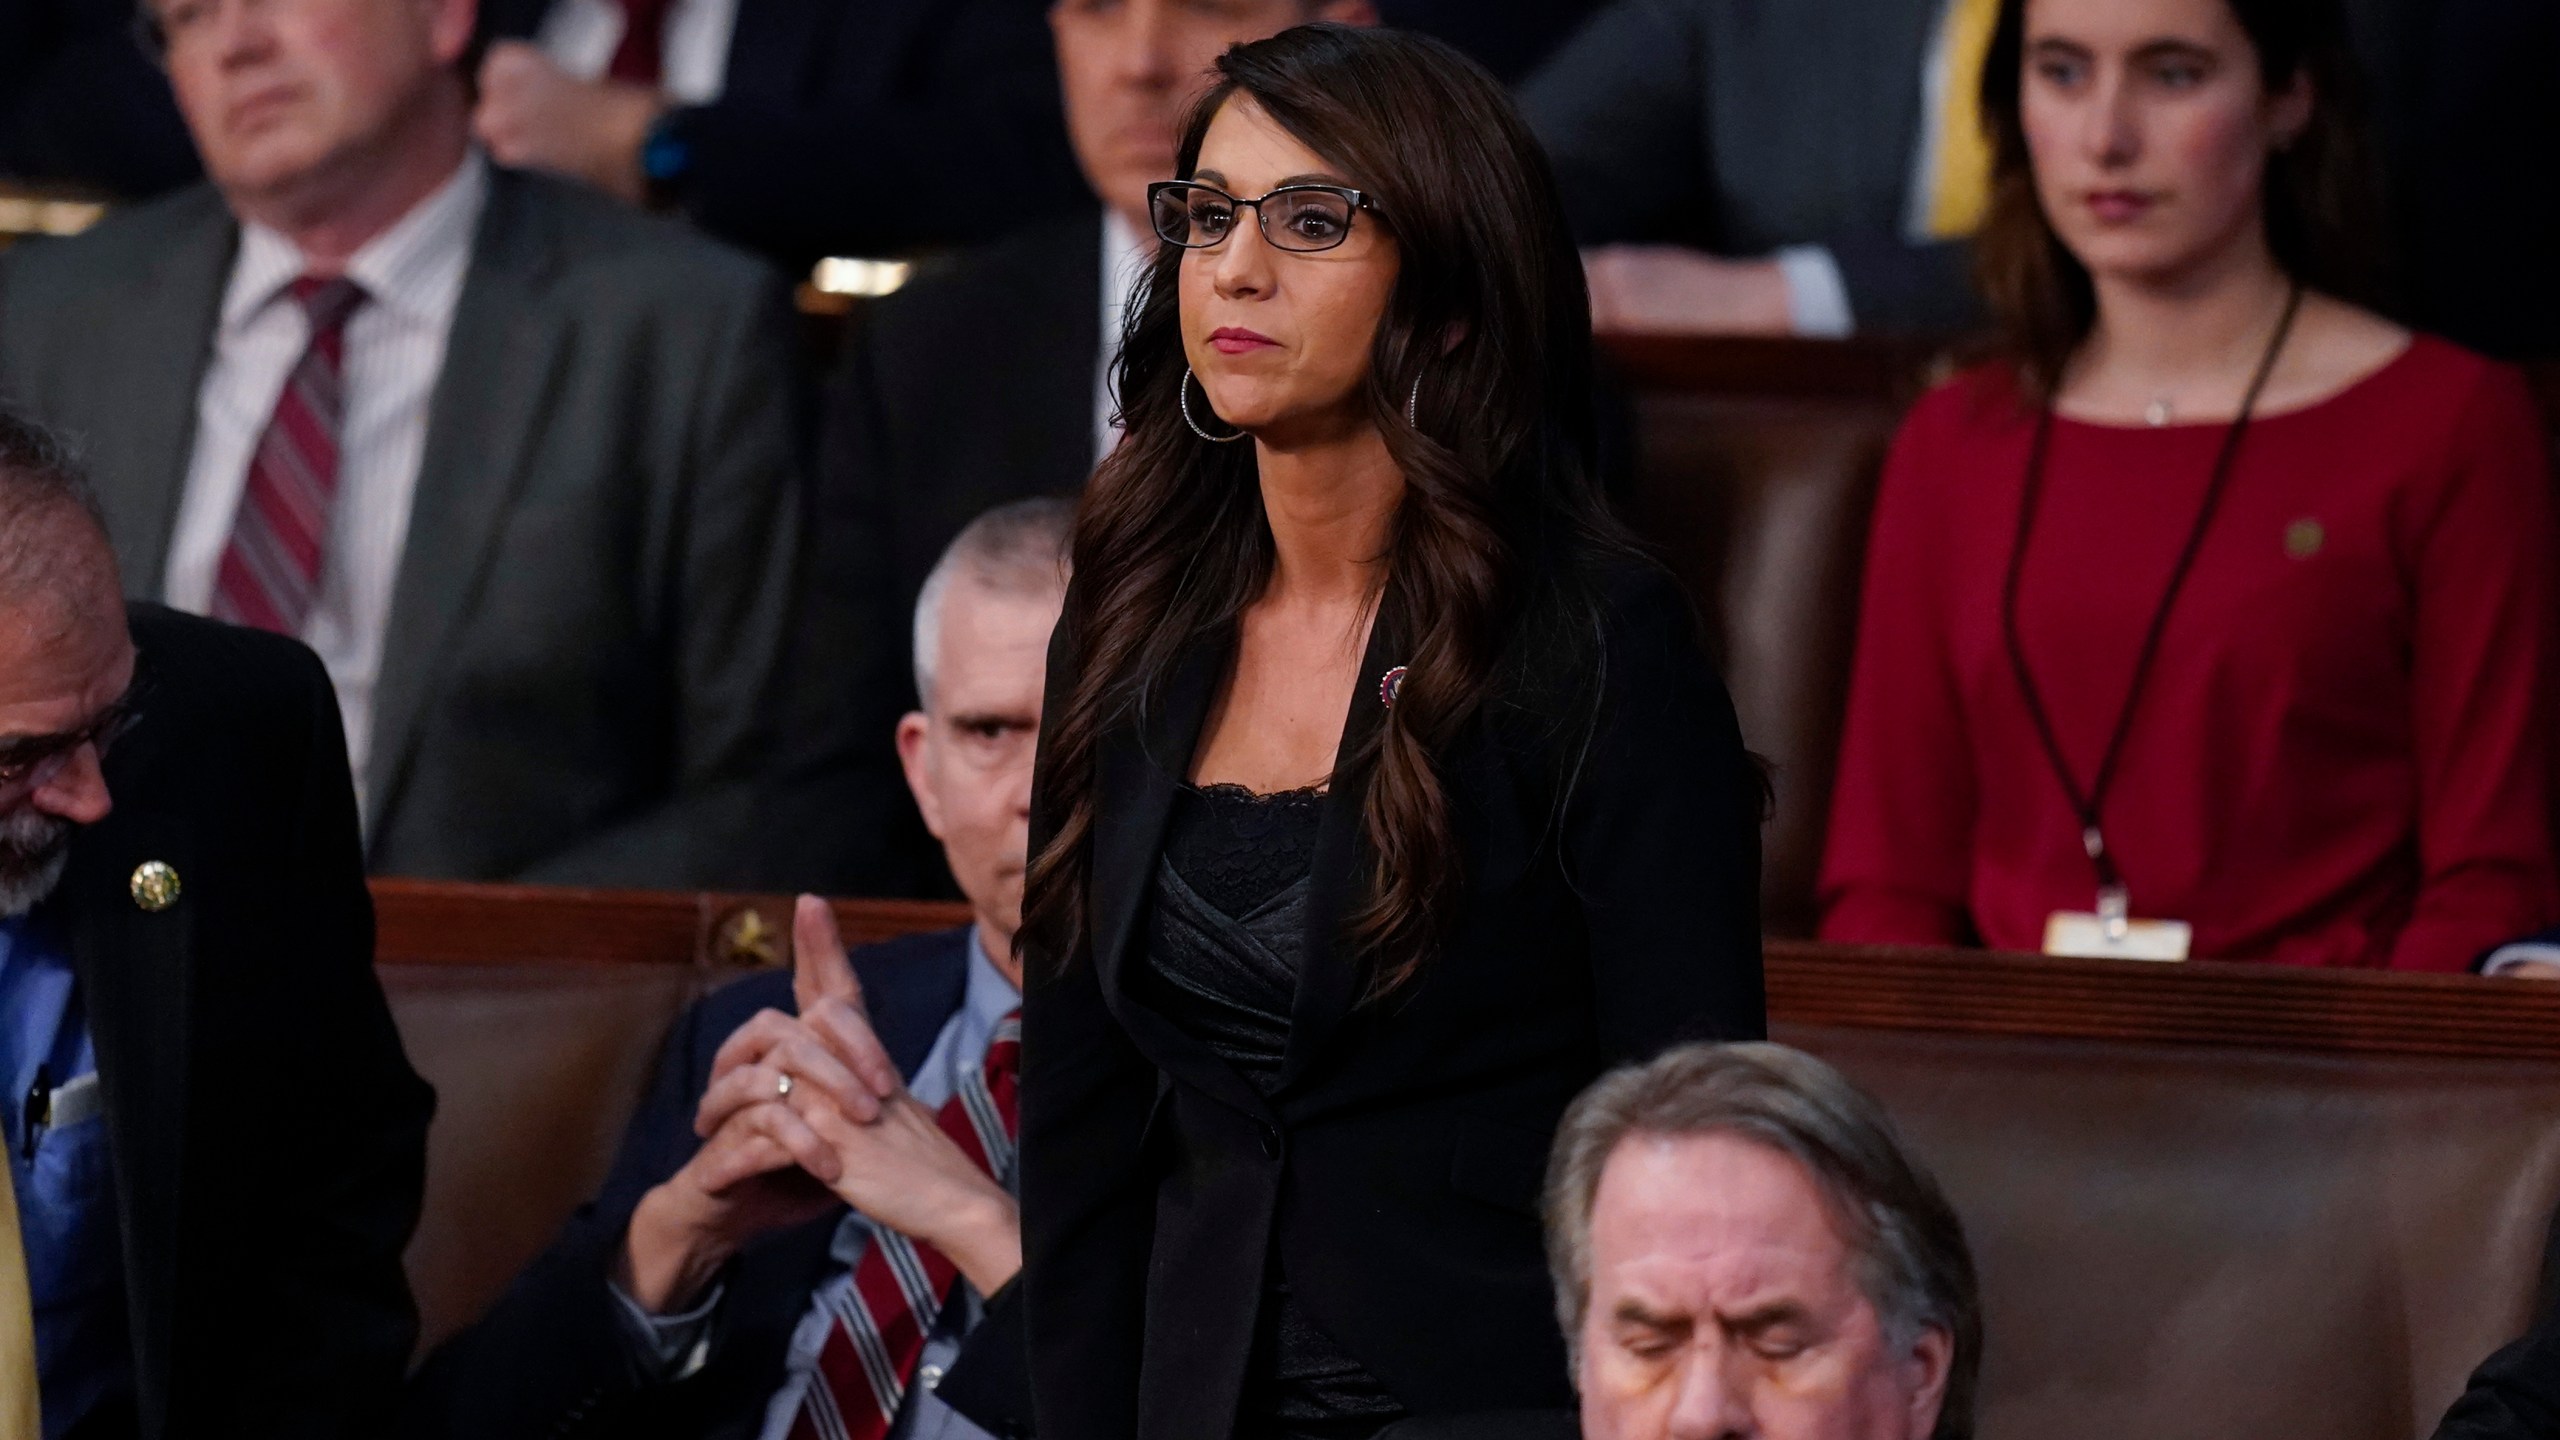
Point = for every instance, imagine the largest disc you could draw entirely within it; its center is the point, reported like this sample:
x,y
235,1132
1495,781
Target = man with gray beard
x,y
186,975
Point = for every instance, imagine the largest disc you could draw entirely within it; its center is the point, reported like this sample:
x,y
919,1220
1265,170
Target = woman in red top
x,y
2221,601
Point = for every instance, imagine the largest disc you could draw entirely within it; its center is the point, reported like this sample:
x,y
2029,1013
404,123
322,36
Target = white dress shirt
x,y
412,276
1817,295
580,36
1125,254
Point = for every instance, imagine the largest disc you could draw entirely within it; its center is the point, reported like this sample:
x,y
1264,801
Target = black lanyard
x,y
2089,804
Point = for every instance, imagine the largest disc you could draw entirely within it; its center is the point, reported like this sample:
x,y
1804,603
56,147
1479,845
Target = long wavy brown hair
x,y
1500,516
2321,201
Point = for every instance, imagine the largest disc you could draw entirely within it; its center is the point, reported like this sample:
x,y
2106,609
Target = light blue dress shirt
x,y
64,1178
673,1344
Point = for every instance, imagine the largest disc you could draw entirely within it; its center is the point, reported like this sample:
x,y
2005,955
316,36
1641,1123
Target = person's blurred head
x,y
2159,141
981,653
1130,68
1742,1250
314,112
66,662
1450,325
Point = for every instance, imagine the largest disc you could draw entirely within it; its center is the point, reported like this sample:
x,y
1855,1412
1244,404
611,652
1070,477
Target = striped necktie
x,y
900,1286
639,58
19,1415
270,573
1960,165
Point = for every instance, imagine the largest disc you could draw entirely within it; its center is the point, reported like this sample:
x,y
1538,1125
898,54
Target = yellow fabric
x,y
18,1413
1960,171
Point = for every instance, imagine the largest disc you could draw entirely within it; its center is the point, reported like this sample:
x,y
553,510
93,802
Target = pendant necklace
x,y
2114,907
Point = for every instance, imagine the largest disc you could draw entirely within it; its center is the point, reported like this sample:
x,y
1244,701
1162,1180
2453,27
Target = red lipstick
x,y
1236,340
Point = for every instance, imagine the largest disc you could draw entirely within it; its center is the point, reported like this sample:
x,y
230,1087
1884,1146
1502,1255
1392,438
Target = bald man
x,y
215,1144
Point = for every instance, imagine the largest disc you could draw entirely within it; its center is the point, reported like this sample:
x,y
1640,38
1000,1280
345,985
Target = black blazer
x,y
551,1360
2515,1394
971,387
269,1136
871,127
1607,820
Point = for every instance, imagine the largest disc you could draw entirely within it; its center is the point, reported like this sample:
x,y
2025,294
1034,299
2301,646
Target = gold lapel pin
x,y
155,885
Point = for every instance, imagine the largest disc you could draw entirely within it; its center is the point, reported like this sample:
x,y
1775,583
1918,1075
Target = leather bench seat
x,y
2185,1242
2207,1200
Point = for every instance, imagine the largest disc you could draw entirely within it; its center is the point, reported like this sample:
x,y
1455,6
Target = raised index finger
x,y
819,969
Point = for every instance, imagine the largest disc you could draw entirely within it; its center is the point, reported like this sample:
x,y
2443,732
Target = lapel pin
x,y
1390,685
155,885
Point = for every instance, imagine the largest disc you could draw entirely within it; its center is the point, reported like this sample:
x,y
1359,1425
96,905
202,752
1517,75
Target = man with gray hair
x,y
799,1159
1742,1248
214,1144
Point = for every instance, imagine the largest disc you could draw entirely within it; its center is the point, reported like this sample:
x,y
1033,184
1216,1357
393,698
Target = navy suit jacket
x,y
871,128
552,1359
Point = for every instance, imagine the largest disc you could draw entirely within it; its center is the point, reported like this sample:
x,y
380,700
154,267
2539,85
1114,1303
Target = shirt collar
x,y
415,268
991,997
1125,253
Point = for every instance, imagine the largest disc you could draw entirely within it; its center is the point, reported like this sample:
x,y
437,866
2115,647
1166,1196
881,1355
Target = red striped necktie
x,y
270,574
899,1285
640,57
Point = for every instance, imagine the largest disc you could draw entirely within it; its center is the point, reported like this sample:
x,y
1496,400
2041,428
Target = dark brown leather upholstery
x,y
536,1067
1756,468
2185,1242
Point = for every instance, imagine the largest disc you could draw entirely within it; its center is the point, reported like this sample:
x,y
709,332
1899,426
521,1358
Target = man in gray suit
x,y
518,463
1771,165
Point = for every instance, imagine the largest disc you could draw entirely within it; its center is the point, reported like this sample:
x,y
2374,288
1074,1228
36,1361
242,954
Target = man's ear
x,y
1932,1359
914,733
451,24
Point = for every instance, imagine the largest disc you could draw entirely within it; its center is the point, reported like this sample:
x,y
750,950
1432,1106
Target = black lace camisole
x,y
1225,940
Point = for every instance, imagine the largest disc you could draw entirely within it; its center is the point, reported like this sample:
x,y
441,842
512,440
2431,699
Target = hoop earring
x,y
1413,405
1187,379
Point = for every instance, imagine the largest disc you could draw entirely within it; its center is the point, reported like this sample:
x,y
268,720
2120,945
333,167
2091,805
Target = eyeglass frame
x,y
22,778
1359,200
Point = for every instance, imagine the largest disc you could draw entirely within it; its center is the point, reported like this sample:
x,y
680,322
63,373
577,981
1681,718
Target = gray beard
x,y
34,848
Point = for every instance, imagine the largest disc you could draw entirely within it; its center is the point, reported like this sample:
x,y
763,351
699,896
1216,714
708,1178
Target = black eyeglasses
x,y
32,764
1303,218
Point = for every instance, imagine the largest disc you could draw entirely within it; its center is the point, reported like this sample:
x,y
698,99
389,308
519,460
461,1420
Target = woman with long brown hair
x,y
1385,799
2215,618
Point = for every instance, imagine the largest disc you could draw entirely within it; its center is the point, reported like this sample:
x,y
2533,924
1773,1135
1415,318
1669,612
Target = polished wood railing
x,y
2231,1006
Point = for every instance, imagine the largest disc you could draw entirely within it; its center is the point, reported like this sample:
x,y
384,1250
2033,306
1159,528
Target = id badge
x,y
2085,936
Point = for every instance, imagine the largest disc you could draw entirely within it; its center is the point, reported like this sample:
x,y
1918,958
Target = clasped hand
x,y
843,1129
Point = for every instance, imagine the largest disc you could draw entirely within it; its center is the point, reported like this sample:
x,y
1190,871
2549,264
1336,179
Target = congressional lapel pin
x,y
1390,685
155,885
2303,539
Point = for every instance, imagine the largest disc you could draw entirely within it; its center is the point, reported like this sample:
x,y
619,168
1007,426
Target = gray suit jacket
x,y
590,612
1740,126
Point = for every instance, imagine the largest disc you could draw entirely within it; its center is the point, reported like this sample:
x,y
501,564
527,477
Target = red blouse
x,y
2339,757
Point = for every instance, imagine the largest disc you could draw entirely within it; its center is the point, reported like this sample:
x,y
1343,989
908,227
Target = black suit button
x,y
1270,1142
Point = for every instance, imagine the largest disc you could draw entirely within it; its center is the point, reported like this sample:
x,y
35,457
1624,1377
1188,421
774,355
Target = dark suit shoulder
x,y
53,290
1049,264
606,243
911,985
227,677
1602,611
126,240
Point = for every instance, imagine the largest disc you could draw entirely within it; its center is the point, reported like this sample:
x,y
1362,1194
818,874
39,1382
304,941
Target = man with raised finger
x,y
815,1198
